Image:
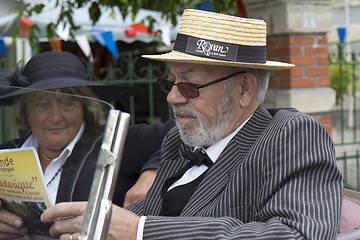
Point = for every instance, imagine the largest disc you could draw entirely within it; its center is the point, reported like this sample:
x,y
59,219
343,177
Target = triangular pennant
x,y
2,46
204,5
34,49
55,44
63,31
23,49
342,34
165,35
84,44
142,28
110,43
97,35
25,23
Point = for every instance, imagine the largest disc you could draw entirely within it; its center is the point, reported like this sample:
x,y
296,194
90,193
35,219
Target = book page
x,y
21,177
22,189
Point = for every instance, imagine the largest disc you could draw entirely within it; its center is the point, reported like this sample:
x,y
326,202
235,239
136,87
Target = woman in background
x,y
67,130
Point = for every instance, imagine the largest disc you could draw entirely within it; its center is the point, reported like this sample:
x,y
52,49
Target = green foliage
x,y
342,72
94,12
170,9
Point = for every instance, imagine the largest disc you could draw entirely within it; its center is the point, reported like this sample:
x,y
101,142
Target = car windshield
x,y
44,131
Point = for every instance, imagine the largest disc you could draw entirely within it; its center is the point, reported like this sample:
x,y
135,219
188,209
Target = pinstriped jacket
x,y
276,179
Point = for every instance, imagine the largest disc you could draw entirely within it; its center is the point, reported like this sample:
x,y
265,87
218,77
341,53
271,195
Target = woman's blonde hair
x,y
94,110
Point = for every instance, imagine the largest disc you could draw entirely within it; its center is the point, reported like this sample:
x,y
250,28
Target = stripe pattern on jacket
x,y
276,179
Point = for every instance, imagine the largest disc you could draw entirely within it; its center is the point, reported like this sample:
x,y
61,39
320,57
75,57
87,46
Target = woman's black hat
x,y
59,69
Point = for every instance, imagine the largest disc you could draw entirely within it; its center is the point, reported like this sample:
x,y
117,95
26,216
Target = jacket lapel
x,y
171,162
234,153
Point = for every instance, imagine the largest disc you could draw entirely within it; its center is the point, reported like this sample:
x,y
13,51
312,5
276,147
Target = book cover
x,y
22,188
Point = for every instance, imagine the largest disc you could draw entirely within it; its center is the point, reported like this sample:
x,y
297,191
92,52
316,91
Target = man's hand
x,y
140,188
69,216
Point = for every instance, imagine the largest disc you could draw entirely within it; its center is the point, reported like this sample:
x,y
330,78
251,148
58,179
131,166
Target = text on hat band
x,y
219,50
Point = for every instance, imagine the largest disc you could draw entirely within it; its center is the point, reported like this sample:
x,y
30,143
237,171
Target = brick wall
x,y
310,55
325,119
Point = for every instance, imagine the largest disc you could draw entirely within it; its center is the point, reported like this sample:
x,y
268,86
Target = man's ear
x,y
248,90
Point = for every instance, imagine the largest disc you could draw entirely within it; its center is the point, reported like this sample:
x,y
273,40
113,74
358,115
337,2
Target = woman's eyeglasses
x,y
189,90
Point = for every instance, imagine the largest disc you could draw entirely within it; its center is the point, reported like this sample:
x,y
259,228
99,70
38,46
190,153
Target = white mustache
x,y
184,112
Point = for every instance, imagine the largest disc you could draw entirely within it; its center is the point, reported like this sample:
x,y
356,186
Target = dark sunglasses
x,y
189,90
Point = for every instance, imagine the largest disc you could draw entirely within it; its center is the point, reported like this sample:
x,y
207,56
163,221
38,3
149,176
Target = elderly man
x,y
232,169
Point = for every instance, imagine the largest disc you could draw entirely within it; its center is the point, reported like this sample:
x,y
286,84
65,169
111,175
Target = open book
x,y
22,188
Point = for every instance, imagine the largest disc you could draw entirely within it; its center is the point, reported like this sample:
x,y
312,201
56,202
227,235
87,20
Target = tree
x,y
170,9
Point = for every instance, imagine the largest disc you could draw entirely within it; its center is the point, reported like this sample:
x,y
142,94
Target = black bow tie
x,y
198,157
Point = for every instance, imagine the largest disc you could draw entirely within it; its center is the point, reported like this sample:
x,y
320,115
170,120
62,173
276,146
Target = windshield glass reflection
x,y
54,145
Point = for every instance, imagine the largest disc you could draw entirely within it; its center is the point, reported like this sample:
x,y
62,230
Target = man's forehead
x,y
186,68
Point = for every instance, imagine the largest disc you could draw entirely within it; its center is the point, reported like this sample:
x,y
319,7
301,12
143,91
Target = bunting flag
x,y
341,33
130,32
2,46
166,35
204,5
97,35
110,43
63,31
106,39
34,49
84,45
137,27
55,44
142,28
23,49
25,23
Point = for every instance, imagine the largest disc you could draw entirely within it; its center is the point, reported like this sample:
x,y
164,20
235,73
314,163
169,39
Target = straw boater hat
x,y
52,70
219,39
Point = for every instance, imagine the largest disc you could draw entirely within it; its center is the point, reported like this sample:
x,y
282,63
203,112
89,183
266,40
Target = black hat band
x,y
220,50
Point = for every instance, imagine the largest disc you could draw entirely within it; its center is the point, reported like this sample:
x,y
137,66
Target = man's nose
x,y
175,97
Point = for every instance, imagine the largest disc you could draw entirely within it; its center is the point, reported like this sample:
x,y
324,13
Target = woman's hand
x,y
68,218
11,225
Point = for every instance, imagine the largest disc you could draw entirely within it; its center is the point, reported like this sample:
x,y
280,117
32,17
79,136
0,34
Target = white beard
x,y
208,131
